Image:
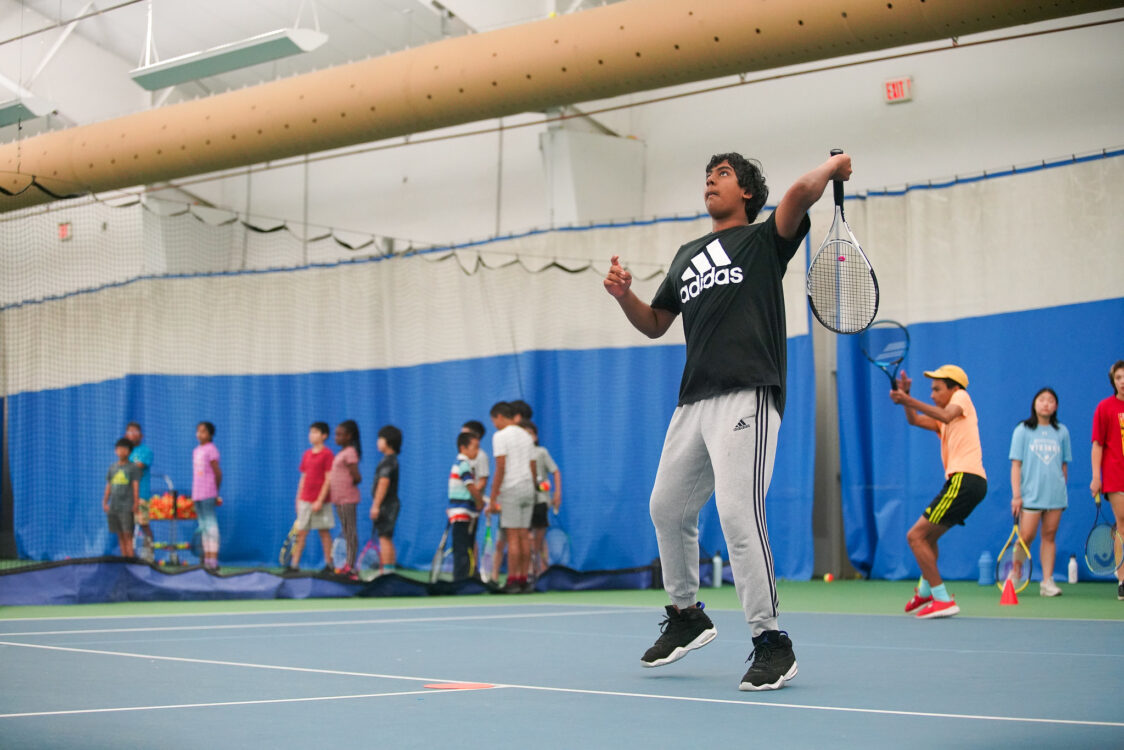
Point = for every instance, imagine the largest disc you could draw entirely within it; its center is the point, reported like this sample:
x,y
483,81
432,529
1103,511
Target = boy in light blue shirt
x,y
465,504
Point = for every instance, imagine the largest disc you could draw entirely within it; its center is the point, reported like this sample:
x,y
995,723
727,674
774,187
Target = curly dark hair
x,y
750,177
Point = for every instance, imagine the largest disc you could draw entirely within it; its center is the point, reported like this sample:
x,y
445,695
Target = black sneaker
x,y
682,630
774,664
1120,591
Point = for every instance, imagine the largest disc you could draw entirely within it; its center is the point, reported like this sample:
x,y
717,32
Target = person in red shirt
x,y
1108,454
313,510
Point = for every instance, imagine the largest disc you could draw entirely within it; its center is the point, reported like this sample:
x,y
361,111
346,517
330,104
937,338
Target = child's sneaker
x,y
1049,588
937,608
682,630
774,663
917,601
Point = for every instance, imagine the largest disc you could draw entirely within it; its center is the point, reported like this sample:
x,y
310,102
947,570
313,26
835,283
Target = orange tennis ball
x,y
828,578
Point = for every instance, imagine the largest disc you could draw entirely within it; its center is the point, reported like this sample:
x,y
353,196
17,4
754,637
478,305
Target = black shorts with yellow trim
x,y
957,499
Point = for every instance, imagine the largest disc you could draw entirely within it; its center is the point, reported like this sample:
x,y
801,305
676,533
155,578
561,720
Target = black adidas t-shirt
x,y
727,287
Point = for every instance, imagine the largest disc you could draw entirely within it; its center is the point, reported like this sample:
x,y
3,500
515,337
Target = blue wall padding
x,y
602,413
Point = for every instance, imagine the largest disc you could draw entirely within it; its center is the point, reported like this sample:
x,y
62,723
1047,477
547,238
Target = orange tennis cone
x,y
1009,596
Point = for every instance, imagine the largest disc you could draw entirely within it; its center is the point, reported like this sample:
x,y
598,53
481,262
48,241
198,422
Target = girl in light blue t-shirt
x,y
1040,455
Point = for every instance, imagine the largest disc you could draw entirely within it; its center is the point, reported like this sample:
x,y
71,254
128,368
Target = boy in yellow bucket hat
x,y
953,417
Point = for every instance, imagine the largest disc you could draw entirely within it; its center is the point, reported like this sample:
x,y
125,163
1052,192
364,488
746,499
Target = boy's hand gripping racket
x,y
1013,562
1103,546
841,285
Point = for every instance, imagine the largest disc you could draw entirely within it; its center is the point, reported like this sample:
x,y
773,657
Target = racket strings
x,y
841,289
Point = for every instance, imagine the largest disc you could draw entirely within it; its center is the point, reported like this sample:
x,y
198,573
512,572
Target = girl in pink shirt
x,y
343,480
206,478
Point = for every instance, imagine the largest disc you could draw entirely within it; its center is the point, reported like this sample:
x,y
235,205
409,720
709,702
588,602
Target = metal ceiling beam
x,y
616,49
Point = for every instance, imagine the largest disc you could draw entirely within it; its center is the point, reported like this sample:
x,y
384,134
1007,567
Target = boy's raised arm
x,y
808,189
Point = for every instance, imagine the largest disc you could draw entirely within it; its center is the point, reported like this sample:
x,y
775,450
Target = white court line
x,y
231,703
323,610
317,623
577,691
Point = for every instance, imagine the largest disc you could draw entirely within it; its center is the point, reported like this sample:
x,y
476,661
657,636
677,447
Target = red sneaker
x,y
917,601
939,609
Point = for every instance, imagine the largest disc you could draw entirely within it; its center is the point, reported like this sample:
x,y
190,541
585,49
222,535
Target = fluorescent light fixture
x,y
24,108
262,48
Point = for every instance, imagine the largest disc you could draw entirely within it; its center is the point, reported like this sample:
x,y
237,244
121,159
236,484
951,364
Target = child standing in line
x,y
121,498
513,493
1040,455
344,493
465,504
205,483
142,457
385,503
546,470
480,466
1107,454
312,510
953,417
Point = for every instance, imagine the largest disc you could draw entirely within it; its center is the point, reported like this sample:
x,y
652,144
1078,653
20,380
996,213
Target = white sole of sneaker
x,y
953,610
701,640
780,683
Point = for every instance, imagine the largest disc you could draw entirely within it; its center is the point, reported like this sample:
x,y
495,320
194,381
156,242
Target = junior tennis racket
x,y
557,543
339,553
1013,562
488,550
841,285
369,563
286,554
438,561
1103,546
885,343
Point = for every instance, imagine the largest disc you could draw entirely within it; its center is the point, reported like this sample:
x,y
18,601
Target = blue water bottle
x,y
987,569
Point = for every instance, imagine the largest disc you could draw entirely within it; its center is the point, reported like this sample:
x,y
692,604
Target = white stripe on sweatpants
x,y
725,445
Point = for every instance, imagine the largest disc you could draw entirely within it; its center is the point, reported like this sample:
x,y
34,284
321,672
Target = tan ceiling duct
x,y
616,49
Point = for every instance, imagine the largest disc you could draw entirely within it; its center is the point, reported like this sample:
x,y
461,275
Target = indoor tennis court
x,y
234,236
562,672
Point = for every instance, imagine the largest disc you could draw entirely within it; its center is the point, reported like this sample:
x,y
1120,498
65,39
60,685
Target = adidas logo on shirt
x,y
708,269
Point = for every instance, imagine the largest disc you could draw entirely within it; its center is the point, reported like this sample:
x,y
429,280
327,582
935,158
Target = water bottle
x,y
716,574
1072,572
987,569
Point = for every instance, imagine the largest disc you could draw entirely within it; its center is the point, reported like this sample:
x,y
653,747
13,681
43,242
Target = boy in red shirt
x,y
1108,454
313,511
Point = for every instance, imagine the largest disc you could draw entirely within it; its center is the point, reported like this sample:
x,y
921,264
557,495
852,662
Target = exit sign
x,y
897,90
65,231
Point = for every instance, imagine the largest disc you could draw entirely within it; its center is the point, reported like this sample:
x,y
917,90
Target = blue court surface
x,y
549,676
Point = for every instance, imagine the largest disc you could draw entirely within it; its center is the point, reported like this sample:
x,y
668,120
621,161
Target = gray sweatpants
x,y
723,445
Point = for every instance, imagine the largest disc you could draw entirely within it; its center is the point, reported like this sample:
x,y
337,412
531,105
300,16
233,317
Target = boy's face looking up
x,y
723,195
122,453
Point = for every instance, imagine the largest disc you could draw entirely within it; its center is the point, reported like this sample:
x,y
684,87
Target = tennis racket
x,y
286,554
885,344
439,556
339,553
1013,562
841,285
369,562
557,544
1103,546
488,550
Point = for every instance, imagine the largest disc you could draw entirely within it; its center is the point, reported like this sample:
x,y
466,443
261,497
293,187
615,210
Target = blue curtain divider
x,y
602,414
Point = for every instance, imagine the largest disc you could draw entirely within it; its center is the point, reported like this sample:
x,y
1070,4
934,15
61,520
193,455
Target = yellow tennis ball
x,y
828,578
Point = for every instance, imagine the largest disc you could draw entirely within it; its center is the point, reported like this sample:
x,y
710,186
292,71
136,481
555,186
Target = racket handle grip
x,y
837,185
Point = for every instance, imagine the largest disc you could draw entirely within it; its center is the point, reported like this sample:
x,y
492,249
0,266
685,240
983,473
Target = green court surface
x,y
1080,601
